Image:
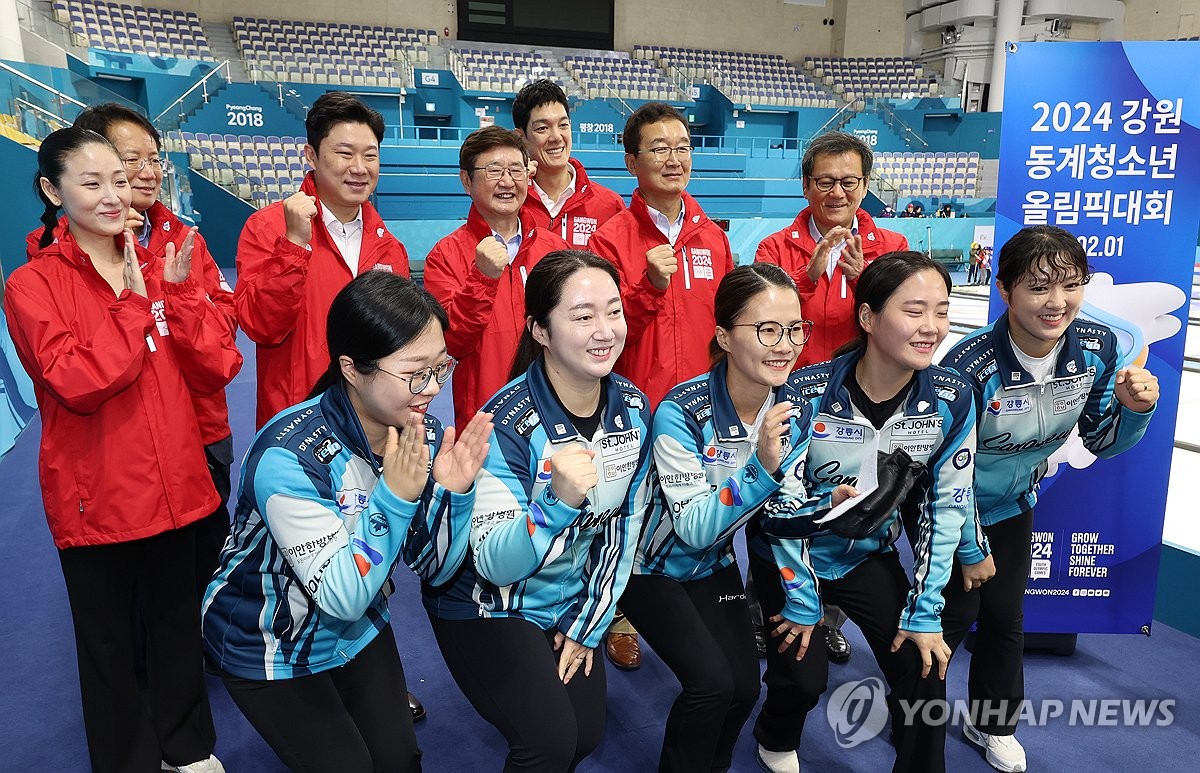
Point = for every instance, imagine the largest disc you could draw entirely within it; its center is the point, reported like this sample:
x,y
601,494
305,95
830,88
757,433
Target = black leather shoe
x,y
838,646
414,705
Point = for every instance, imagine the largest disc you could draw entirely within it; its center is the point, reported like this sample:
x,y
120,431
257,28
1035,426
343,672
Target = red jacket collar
x,y
479,228
693,216
865,224
67,248
373,225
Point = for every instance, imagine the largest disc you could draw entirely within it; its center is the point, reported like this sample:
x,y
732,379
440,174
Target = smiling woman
x,y
558,511
114,337
335,490
879,397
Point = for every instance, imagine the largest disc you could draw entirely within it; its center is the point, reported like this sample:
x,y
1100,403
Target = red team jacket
x,y
591,206
486,315
120,456
824,302
669,330
284,292
212,411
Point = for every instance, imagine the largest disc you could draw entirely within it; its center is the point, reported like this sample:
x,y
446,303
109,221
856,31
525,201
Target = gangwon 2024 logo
x,y
857,711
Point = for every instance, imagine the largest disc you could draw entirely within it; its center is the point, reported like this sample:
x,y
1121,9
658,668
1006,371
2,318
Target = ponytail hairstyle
x,y
375,314
736,290
543,291
880,280
52,163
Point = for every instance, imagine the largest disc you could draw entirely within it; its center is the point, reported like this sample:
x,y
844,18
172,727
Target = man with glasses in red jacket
x,y
825,249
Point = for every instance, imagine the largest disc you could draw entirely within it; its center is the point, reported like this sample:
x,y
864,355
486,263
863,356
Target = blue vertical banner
x,y
1101,139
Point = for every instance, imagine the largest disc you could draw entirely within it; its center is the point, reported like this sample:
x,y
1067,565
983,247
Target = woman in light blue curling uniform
x,y
723,443
558,509
335,492
1037,373
882,411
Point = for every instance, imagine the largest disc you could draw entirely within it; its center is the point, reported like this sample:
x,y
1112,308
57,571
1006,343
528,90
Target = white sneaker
x,y
1004,752
778,762
210,765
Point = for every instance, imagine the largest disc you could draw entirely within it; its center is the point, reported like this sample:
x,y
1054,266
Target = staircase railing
x,y
196,95
906,132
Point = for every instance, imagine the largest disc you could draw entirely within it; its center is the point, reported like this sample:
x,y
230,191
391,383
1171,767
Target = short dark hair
x,y
103,117
488,138
835,144
375,314
543,292
879,281
334,107
534,95
1050,252
651,112
735,291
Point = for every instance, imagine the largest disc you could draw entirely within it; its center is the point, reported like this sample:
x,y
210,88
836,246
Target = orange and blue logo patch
x,y
369,556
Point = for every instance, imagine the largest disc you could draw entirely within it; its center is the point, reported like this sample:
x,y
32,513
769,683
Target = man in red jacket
x,y
478,272
561,197
294,256
831,241
671,257
824,250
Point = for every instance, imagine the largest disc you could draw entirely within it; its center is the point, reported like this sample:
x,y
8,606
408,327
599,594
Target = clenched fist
x,y
299,209
661,263
491,257
572,474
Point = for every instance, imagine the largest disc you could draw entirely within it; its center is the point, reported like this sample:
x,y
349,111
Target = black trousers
x,y
507,668
105,583
352,719
793,688
872,596
701,629
212,530
997,678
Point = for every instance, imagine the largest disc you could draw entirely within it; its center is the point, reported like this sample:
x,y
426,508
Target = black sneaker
x,y
837,645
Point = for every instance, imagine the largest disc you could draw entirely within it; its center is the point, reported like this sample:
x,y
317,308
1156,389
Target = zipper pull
x,y
81,505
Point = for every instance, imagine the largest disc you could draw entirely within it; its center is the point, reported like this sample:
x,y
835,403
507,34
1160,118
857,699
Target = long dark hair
x,y
52,163
736,290
543,291
374,315
880,280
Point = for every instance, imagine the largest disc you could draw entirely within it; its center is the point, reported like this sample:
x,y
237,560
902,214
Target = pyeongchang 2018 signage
x,y
1102,139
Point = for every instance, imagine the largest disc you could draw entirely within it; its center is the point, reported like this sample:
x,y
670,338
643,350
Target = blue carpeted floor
x,y
41,725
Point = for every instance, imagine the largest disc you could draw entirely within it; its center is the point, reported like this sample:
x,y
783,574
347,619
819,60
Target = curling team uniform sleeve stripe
x,y
949,501
511,536
802,603
611,557
703,517
436,548
1106,427
341,568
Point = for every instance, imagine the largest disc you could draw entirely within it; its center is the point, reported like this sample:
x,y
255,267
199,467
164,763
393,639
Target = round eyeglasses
x,y
418,380
771,333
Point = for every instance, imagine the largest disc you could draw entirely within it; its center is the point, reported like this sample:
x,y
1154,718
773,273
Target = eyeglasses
x,y
825,184
496,171
662,153
771,333
419,380
135,165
